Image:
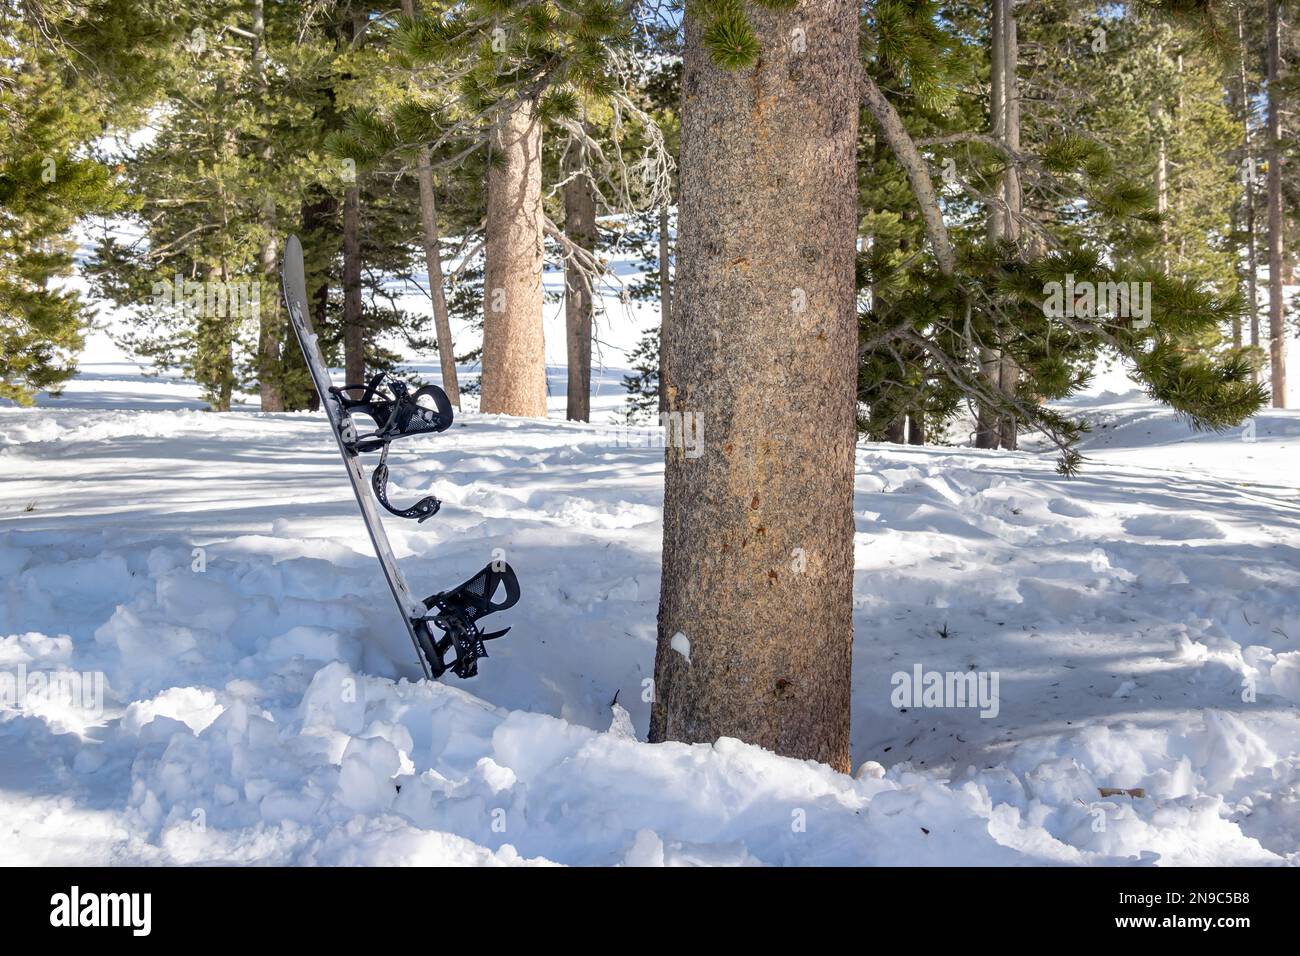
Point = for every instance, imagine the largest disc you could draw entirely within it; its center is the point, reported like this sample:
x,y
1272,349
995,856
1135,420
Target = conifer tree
x,y
51,108
485,81
1094,223
200,277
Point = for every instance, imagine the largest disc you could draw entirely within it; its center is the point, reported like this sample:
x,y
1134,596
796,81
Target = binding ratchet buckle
x,y
397,413
457,613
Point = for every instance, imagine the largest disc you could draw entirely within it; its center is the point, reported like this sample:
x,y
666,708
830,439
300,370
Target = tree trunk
x,y
226,393
1001,370
896,429
1009,371
354,335
319,218
580,227
1252,267
220,348
997,224
269,332
755,613
514,350
915,428
1177,201
1240,100
1276,300
987,433
270,361
1252,251
665,301
1008,383
1162,198
226,337
433,263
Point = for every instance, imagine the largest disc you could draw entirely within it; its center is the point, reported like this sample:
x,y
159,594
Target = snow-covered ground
x,y
1142,622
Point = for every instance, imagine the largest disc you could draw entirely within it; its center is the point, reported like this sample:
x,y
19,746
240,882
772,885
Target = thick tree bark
x,y
665,301
354,335
896,430
1276,295
514,350
580,227
755,613
433,263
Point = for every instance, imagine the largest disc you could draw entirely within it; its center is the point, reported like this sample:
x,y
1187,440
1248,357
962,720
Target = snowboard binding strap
x,y
397,413
458,611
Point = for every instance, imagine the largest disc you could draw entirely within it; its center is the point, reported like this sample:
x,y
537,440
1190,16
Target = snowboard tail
x,y
396,412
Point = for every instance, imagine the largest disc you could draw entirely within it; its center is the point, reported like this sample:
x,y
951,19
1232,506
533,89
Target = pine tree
x,y
50,110
517,72
202,277
1093,219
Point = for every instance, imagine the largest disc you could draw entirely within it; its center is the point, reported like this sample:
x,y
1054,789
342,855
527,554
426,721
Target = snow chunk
x,y
366,774
1284,676
646,850
313,644
1227,750
336,700
195,707
621,725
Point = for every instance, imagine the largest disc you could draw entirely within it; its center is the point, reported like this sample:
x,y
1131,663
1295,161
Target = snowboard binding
x,y
457,613
397,413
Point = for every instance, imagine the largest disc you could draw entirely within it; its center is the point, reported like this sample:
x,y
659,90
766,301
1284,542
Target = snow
x,y
1141,619
258,702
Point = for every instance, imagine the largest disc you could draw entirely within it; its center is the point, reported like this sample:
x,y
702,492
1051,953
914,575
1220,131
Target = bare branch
x,y
918,173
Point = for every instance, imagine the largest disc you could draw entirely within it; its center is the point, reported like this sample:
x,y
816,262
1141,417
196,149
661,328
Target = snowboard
x,y
455,612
